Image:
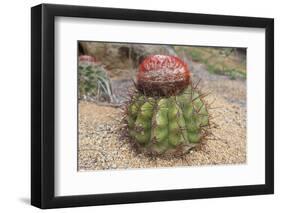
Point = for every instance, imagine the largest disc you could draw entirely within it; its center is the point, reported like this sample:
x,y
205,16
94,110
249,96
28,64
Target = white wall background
x,y
15,105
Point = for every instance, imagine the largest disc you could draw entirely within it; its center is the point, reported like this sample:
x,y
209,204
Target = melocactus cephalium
x,y
162,75
166,114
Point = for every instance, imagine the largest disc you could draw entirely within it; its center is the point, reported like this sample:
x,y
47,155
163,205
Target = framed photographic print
x,y
140,106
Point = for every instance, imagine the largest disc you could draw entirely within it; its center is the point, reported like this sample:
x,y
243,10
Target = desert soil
x,y
101,147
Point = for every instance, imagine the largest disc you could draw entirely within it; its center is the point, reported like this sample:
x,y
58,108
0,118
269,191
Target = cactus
x,y
93,80
166,114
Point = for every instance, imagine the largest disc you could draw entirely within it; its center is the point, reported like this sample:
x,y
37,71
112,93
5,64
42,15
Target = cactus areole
x,y
162,75
166,114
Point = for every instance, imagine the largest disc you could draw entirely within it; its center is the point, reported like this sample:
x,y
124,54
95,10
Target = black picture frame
x,y
43,102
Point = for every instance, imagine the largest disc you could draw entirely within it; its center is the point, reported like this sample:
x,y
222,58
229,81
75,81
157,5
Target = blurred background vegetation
x,y
222,61
115,63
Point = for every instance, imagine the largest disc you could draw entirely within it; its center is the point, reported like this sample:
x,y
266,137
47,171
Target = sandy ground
x,y
100,146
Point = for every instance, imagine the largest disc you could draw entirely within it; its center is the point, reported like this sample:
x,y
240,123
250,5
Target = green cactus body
x,y
167,124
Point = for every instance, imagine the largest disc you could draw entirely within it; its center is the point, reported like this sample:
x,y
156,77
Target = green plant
x,y
196,56
93,81
232,73
167,122
221,61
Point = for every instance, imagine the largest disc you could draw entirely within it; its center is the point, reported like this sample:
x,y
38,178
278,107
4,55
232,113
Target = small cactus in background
x,y
93,80
166,114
